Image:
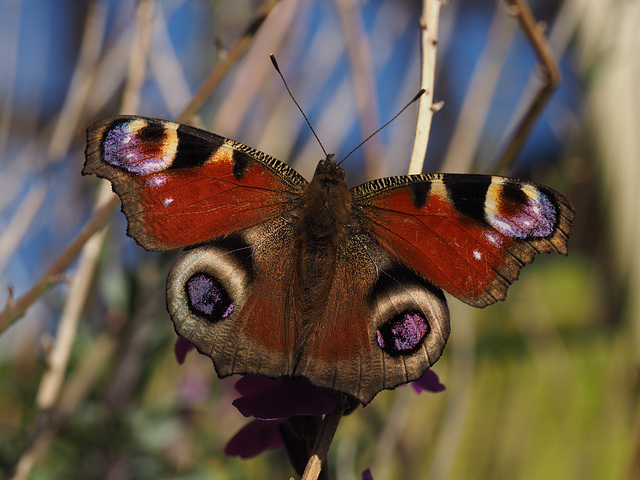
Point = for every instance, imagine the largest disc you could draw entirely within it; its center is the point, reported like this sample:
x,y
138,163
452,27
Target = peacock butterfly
x,y
284,277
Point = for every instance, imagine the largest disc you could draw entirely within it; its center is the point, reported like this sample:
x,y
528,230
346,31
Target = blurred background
x,y
544,385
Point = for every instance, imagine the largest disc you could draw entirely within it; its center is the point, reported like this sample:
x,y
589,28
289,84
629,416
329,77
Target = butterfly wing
x,y
182,186
468,234
230,299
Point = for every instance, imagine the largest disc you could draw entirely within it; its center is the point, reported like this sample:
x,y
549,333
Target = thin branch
x,y
137,70
473,114
549,70
323,441
251,75
80,86
426,107
58,358
222,68
15,309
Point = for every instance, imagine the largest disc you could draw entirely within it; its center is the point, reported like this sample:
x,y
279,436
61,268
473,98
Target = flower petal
x,y
288,398
366,475
250,384
429,382
181,348
253,439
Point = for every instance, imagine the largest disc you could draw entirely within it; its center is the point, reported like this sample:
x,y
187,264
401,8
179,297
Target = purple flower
x,y
366,475
284,410
254,438
181,348
288,413
429,382
267,399
275,402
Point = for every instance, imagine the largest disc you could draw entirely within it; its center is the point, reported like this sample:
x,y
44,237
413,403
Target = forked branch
x,y
551,76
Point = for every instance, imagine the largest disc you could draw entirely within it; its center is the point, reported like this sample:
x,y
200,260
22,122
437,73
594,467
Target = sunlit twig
x,y
426,107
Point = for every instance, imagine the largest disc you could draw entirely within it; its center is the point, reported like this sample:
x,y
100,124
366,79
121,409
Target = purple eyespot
x,y
535,217
138,146
403,334
207,298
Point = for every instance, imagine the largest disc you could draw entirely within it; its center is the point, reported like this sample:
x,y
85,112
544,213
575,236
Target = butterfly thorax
x,y
323,222
326,204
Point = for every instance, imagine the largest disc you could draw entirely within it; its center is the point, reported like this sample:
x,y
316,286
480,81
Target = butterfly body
x,y
284,277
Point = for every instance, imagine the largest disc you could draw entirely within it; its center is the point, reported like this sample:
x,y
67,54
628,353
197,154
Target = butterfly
x,y
283,277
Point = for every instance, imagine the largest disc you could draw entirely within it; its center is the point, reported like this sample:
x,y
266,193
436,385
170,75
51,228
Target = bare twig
x,y
218,73
58,358
323,441
57,362
17,308
59,144
473,115
426,108
138,58
79,88
550,72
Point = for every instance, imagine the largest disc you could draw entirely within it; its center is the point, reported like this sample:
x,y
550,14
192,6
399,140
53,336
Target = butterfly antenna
x,y
275,65
418,95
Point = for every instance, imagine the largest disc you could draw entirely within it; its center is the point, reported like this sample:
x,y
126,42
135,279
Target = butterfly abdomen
x,y
322,222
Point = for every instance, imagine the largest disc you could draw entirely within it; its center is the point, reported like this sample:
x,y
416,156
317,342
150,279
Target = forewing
x,y
182,186
467,234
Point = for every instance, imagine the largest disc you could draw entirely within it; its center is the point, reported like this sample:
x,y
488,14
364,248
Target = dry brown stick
x,y
58,358
60,140
15,309
552,78
473,114
426,108
222,68
323,441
